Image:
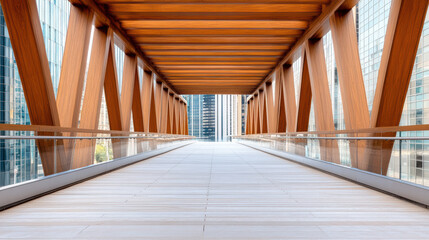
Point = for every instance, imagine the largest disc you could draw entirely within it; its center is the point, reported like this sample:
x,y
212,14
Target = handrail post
x,y
55,154
400,157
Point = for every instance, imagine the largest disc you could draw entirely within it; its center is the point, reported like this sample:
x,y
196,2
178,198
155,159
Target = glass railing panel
x,y
398,153
30,154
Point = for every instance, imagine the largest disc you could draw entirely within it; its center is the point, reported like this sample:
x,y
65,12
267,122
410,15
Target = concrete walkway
x,y
216,191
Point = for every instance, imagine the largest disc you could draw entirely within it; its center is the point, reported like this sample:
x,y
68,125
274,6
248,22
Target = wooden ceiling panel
x,y
214,66
214,53
213,16
163,63
216,8
214,46
180,59
219,40
209,24
211,32
197,47
215,1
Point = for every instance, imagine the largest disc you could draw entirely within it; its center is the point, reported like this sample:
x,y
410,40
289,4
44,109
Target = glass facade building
x,y
216,117
19,160
201,116
230,116
371,22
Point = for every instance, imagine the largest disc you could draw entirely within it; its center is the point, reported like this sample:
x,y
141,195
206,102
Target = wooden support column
x,y
262,112
22,20
127,92
280,104
304,99
255,113
137,107
304,104
173,114
170,115
355,105
158,104
181,117
180,122
164,110
128,78
248,117
137,110
322,99
269,108
184,123
153,115
84,151
113,103
176,125
146,99
176,118
72,76
288,86
252,116
186,120
403,33
256,122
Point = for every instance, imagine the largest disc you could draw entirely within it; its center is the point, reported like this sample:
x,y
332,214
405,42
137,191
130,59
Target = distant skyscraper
x,y
243,113
201,116
230,118
216,117
19,160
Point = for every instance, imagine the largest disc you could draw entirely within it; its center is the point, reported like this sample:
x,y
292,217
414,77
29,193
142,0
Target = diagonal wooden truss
x,y
143,102
404,29
236,55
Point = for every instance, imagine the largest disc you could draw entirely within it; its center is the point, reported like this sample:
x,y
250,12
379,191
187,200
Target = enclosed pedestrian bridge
x,y
113,95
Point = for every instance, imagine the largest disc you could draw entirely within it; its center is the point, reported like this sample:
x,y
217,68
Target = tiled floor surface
x,y
216,191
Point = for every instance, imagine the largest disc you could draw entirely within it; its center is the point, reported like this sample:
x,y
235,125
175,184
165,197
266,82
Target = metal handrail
x,y
376,130
56,129
112,137
336,138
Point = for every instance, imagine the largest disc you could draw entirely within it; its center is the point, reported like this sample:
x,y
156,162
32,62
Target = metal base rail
x,y
19,193
414,192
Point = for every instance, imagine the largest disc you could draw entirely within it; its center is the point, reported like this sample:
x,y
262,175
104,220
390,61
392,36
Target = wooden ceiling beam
x,y
214,24
190,39
303,16
215,84
214,58
165,63
215,74
214,71
213,1
313,29
214,7
267,67
178,81
130,45
217,78
210,32
218,40
214,47
214,53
